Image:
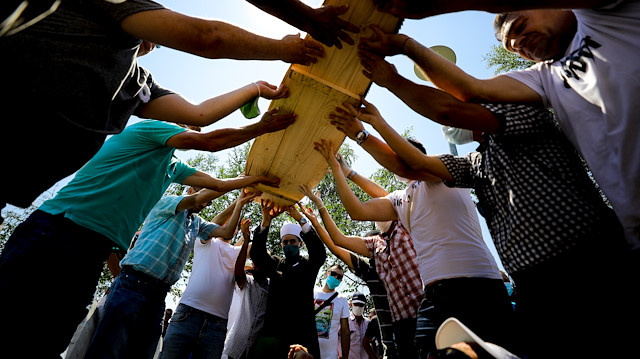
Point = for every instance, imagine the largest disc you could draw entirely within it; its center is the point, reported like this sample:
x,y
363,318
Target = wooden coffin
x,y
314,92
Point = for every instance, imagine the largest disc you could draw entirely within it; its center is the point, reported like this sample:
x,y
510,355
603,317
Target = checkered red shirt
x,y
397,267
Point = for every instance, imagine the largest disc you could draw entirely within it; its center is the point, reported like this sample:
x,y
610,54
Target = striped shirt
x,y
166,240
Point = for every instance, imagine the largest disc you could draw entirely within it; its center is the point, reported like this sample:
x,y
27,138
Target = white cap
x,y
291,228
452,331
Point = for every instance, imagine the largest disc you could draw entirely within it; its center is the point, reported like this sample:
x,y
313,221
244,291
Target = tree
x,y
502,60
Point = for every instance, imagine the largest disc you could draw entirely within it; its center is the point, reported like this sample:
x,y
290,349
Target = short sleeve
x,y
461,169
532,78
182,171
205,229
520,119
345,309
166,206
157,132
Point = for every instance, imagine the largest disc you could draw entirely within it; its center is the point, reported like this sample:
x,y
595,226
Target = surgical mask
x,y
509,287
357,311
291,251
332,282
457,136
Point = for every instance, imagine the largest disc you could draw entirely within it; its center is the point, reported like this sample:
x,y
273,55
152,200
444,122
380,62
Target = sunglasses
x,y
335,274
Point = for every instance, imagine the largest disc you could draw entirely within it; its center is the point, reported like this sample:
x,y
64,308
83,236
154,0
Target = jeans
x,y
131,324
49,269
192,331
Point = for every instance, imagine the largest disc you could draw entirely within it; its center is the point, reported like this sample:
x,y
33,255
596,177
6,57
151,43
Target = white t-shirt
x,y
210,287
328,322
446,234
599,111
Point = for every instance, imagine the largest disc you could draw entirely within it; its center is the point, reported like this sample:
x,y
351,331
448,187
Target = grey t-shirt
x,y
79,65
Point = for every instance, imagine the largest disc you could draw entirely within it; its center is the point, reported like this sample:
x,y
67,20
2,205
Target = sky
x,y
468,33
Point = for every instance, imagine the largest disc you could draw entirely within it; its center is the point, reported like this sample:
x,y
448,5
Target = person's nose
x,y
517,42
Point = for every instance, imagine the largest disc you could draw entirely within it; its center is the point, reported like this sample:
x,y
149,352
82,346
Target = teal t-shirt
x,y
113,193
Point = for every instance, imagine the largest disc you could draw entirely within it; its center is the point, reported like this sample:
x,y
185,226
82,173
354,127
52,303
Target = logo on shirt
x,y
323,319
575,63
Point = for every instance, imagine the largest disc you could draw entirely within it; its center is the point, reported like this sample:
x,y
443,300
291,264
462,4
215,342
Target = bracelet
x,y
321,208
351,174
259,92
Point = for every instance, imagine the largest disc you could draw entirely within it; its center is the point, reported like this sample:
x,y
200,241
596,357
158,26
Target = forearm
x,y
345,342
338,239
368,186
317,254
206,38
294,12
238,271
386,157
351,203
339,252
423,167
228,229
219,107
258,251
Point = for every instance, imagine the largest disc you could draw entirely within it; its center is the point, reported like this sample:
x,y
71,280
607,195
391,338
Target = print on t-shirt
x,y
323,319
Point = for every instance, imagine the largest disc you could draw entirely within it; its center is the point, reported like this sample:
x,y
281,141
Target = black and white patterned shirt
x,y
532,187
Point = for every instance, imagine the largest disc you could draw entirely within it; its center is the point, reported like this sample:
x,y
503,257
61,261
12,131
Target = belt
x,y
209,316
145,279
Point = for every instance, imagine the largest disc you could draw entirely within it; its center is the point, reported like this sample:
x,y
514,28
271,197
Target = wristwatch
x,y
362,136
302,221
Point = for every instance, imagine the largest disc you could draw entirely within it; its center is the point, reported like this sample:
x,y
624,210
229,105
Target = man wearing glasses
x,y
333,317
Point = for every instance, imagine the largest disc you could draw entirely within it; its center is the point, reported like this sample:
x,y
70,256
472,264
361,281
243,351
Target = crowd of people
x,y
546,136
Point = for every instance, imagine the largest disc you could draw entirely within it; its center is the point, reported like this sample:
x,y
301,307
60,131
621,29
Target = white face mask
x,y
457,136
357,311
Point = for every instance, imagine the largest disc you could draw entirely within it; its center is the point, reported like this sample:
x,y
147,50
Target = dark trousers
x,y
582,304
481,304
405,332
49,269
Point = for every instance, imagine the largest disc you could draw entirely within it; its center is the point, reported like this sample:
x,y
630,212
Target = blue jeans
x,y
49,269
192,331
131,324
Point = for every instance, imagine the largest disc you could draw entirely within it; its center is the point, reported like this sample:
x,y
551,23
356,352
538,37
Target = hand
x,y
271,92
300,51
326,26
269,211
377,69
369,113
266,180
346,170
308,212
345,122
245,229
314,197
297,351
273,121
246,196
326,150
409,9
294,213
382,43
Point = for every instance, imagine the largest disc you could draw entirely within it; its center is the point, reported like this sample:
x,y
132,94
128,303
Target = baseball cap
x,y
358,298
452,331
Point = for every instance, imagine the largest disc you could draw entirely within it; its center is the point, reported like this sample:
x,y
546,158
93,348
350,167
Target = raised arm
x,y
175,108
330,234
419,9
229,228
350,125
323,23
224,138
259,254
201,197
201,179
238,271
445,74
377,209
368,186
423,166
217,39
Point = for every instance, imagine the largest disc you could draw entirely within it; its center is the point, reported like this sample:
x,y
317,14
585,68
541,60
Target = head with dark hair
x,y
536,35
417,145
